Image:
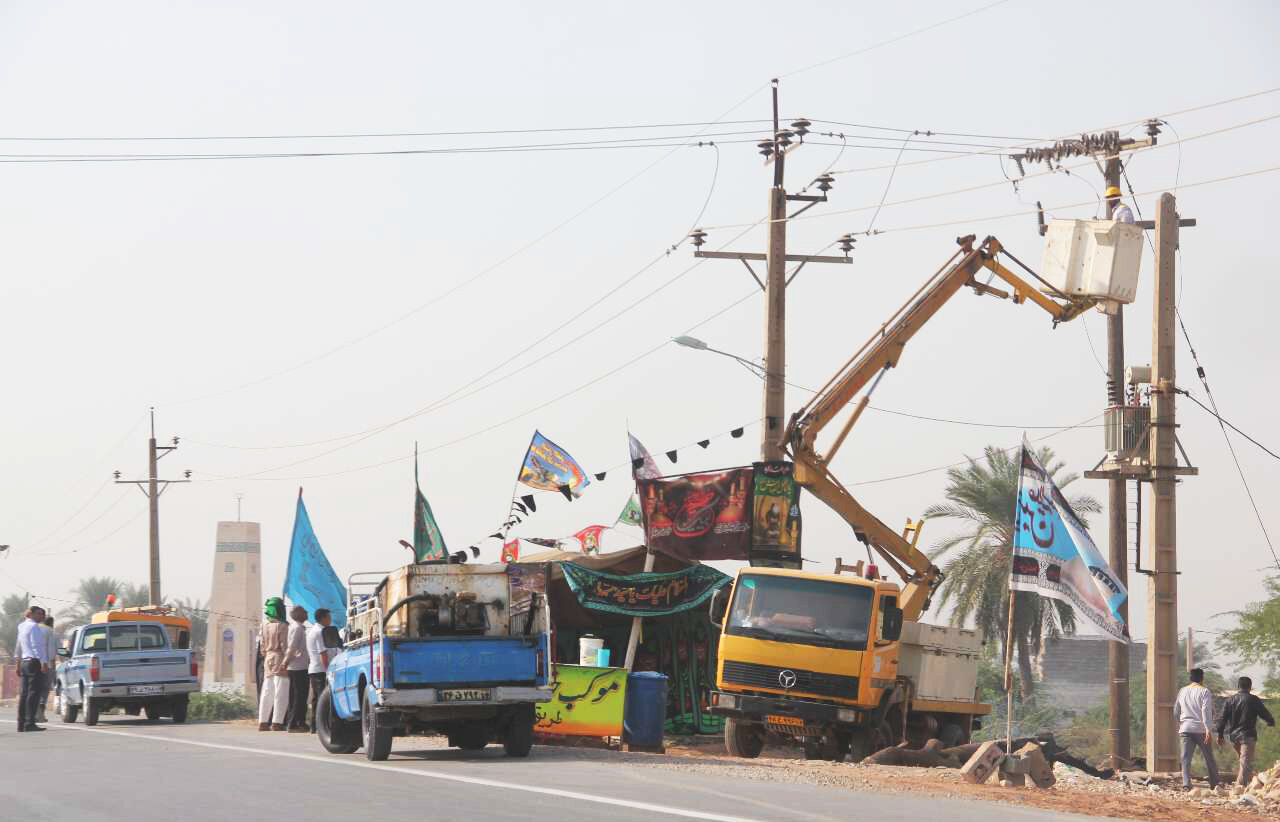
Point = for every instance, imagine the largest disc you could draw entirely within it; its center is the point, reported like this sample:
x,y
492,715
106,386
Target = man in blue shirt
x,y
33,665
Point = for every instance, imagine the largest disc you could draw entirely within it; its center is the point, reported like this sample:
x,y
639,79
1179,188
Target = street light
x,y
698,345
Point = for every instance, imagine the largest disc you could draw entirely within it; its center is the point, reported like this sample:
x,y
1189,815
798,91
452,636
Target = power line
x,y
1213,413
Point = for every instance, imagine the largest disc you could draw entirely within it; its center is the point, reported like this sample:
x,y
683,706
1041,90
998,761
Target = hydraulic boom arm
x,y
869,363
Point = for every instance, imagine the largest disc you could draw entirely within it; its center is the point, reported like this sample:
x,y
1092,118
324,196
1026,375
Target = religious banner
x,y
1053,555
642,464
428,542
589,538
510,551
646,594
585,701
549,467
775,518
527,580
631,513
309,579
699,517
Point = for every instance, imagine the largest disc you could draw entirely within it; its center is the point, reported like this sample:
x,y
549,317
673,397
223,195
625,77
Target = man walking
x,y
318,657
1194,710
51,641
1239,721
273,699
297,663
33,665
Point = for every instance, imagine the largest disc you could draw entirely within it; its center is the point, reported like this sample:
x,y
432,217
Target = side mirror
x,y
719,604
64,652
892,623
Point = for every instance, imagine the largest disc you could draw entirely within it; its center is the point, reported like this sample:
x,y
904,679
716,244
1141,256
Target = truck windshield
x,y
807,611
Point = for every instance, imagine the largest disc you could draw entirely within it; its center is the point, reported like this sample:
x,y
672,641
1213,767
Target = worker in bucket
x,y
1121,213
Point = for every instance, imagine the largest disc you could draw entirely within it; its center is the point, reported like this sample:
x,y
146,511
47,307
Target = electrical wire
x,y
1227,423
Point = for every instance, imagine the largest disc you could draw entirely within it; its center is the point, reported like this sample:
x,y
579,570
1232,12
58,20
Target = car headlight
x,y
846,715
728,701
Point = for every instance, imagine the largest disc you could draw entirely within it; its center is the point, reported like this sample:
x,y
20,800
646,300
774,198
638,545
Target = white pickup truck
x,y
138,659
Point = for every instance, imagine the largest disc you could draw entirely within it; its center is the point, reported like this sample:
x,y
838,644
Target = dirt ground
x,y
1075,792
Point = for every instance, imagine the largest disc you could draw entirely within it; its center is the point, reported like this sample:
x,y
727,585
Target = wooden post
x,y
1008,676
634,639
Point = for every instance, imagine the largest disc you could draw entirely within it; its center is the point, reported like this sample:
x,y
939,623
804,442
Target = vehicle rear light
x,y
95,669
195,669
872,571
538,664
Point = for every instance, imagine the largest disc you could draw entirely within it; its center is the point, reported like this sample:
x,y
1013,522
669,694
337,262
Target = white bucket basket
x,y
1093,258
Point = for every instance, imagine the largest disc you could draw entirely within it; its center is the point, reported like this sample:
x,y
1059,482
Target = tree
x,y
91,596
983,495
134,595
194,610
1256,637
12,609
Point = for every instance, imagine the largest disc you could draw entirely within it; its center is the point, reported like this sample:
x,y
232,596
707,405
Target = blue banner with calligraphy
x,y
641,595
309,579
1053,555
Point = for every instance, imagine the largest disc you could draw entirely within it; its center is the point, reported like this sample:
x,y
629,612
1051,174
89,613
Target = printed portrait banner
x,y
510,551
642,463
549,467
589,538
631,513
641,595
525,580
309,579
775,519
699,516
1053,555
585,701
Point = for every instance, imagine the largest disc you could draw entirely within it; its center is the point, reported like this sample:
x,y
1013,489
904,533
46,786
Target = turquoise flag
x,y
309,579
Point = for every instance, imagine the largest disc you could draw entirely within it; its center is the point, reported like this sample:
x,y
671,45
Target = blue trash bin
x,y
645,713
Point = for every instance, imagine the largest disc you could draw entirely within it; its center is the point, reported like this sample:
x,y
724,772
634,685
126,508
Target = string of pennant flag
x,y
548,468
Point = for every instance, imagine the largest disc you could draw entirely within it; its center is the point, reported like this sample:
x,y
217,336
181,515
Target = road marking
x,y
448,777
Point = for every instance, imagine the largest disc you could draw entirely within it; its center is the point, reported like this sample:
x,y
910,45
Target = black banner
x,y
699,516
643,594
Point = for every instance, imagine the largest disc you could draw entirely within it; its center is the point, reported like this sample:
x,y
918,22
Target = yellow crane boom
x,y
878,354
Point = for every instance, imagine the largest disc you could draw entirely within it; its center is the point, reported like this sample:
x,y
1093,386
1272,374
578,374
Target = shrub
x,y
220,707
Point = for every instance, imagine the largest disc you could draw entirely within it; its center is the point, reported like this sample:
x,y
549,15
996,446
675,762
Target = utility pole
x,y
776,279
154,487
1191,649
1109,145
1162,590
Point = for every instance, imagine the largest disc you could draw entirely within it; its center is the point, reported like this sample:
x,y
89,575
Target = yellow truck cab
x,y
821,658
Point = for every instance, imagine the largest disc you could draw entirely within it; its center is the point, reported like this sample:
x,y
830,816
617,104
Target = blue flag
x,y
1054,556
309,580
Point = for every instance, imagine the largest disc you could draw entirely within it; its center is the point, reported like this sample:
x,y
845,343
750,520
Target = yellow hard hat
x,y
1112,191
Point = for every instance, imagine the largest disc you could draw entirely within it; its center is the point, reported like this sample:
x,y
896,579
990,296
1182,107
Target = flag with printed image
x,y
428,542
510,551
589,538
631,513
643,466
549,467
1053,555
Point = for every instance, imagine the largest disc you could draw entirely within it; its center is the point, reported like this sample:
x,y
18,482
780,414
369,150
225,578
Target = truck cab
x,y
819,658
138,659
435,648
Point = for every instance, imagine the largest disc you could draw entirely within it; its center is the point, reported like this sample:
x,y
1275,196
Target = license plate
x,y
463,695
145,690
789,721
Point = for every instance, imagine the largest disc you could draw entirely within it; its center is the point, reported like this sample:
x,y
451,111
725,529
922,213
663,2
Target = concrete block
x,y
1036,766
983,763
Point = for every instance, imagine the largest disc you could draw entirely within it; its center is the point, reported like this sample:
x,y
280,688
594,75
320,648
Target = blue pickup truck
x,y
440,648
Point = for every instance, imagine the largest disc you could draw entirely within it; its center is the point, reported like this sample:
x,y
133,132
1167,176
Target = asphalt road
x,y
127,769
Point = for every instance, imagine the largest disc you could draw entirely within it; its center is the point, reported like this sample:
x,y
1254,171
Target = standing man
x,y
318,656
51,640
33,665
1194,710
1122,213
273,697
1239,720
297,663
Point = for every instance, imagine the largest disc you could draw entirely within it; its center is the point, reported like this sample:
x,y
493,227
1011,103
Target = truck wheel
x,y
336,735
69,710
472,738
90,711
132,710
519,739
950,735
741,739
178,710
827,748
153,710
376,731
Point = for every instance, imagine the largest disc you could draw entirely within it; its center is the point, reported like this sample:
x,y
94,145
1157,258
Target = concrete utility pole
x,y
154,488
1162,591
776,279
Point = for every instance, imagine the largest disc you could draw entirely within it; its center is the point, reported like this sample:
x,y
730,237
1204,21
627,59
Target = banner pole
x,y
1008,677
634,639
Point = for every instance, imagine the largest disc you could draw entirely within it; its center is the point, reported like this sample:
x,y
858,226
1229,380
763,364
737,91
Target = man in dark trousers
x,y
33,665
1239,721
318,658
297,661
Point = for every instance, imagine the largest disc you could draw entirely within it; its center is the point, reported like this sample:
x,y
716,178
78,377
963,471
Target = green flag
x,y
631,514
428,542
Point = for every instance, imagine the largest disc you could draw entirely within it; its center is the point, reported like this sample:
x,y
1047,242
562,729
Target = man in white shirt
x,y
1121,213
318,657
33,665
297,662
51,641
1194,711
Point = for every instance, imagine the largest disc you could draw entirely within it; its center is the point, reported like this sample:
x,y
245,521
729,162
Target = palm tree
x,y
983,495
12,609
91,597
133,595
194,610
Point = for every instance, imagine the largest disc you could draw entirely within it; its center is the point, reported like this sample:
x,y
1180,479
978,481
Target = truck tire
x,y
154,711
742,739
69,710
827,748
90,711
951,735
519,738
376,732
473,738
337,736
178,710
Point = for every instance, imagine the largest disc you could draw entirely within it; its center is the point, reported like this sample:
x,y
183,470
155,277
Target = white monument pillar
x,y
235,609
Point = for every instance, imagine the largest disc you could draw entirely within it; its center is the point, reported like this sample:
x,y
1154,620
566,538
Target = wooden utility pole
x,y
1162,590
154,488
1191,649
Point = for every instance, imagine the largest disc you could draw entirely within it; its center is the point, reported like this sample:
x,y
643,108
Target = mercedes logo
x,y
787,679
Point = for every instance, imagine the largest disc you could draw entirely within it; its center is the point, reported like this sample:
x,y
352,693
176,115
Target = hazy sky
x,y
272,302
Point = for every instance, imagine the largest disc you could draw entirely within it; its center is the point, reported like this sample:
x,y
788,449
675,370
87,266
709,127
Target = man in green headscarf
x,y
273,702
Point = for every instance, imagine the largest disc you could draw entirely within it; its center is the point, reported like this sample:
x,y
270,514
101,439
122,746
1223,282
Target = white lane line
x,y
448,777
